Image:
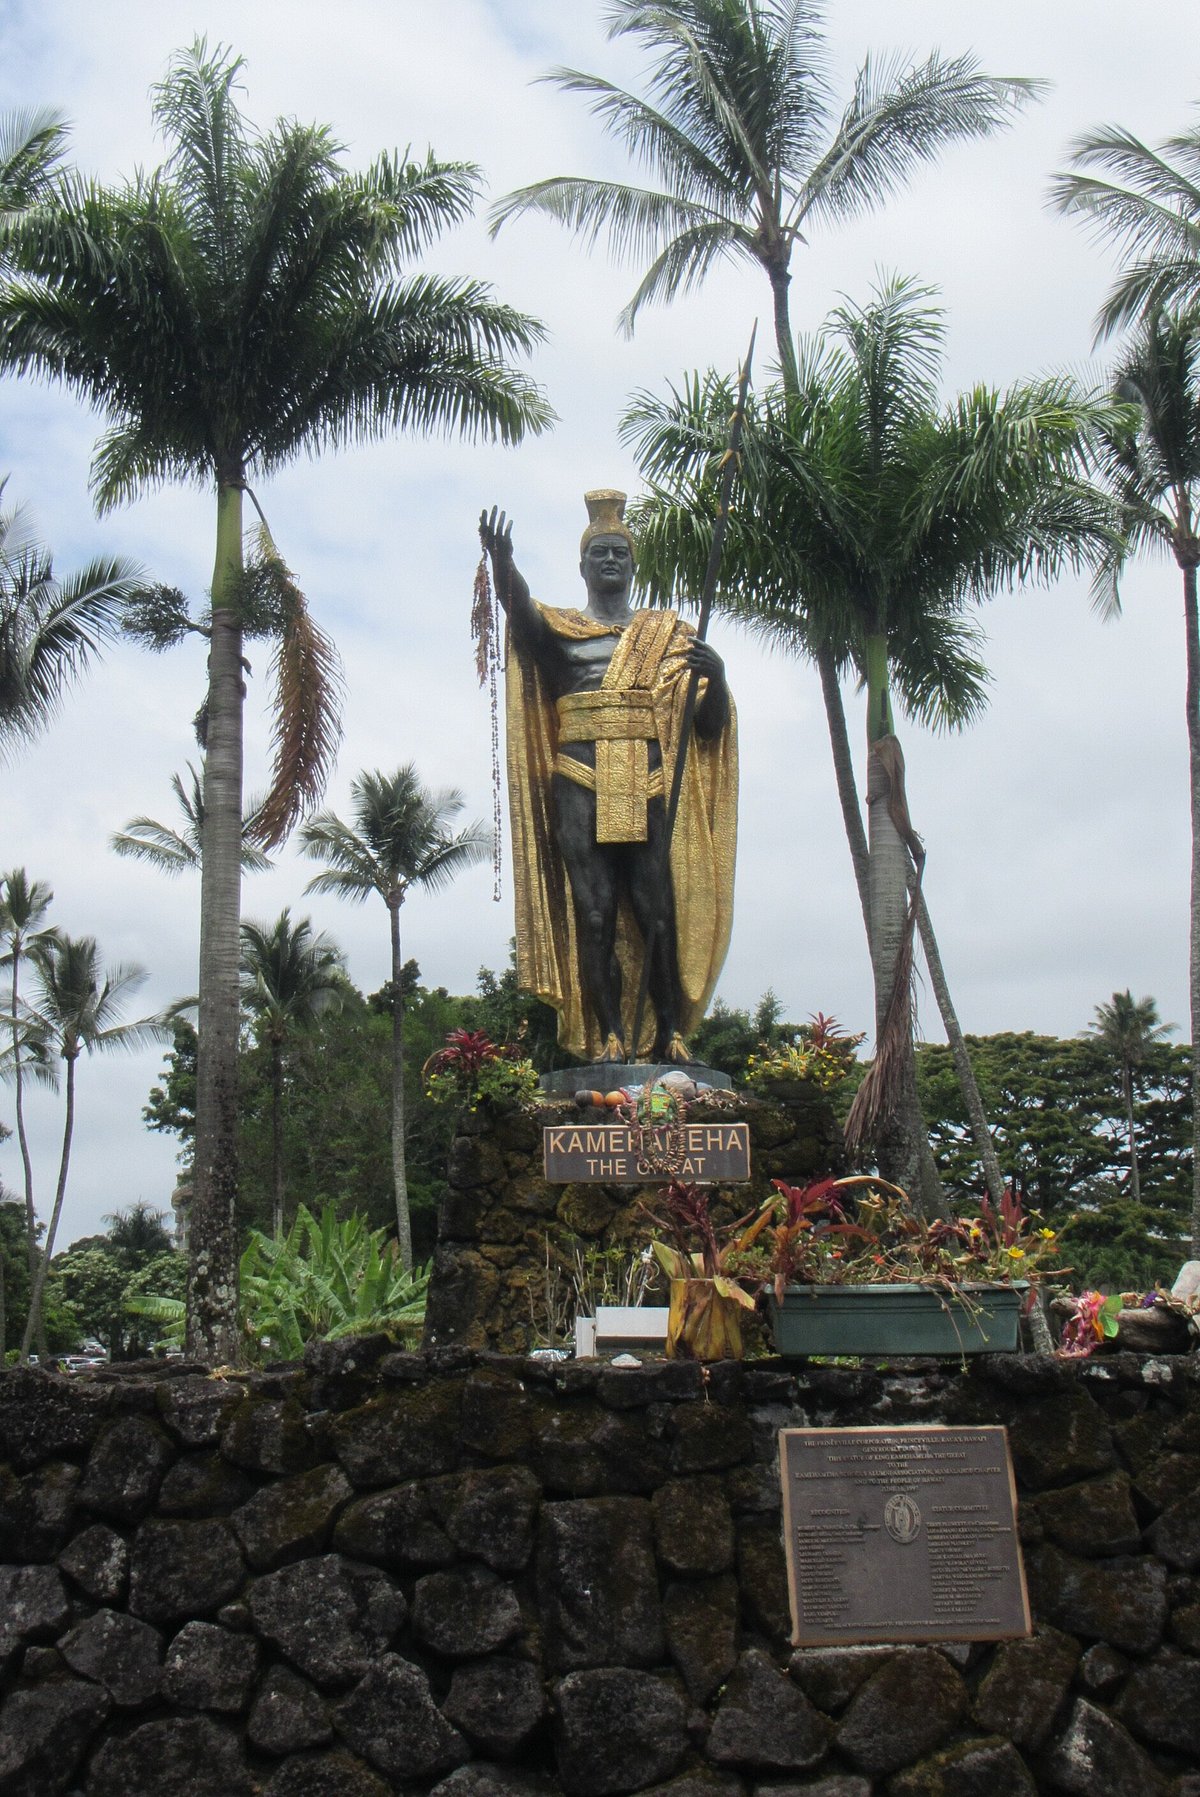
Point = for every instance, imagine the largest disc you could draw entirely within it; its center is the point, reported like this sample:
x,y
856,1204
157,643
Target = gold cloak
x,y
703,847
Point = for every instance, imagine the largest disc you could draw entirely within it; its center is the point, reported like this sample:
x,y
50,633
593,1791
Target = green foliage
x,y
16,1269
727,1038
96,1275
1058,1122
325,1279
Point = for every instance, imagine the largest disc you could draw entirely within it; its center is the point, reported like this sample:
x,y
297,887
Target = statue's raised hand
x,y
495,533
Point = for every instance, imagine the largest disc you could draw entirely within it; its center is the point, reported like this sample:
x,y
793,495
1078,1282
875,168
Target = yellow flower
x,y
1017,1253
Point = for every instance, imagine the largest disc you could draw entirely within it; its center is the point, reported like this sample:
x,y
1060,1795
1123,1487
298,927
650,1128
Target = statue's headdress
x,y
606,517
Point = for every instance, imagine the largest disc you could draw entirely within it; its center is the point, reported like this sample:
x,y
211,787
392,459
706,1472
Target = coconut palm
x,y
290,977
49,629
872,517
400,838
240,307
1145,201
1127,1029
23,907
1153,471
171,851
76,1005
737,125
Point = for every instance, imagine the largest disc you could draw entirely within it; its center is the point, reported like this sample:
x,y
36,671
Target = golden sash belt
x,y
621,724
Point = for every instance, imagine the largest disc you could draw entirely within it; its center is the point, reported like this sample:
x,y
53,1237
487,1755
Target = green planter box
x,y
896,1319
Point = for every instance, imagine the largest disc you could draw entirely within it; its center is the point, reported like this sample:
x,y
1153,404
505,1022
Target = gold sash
x,y
620,721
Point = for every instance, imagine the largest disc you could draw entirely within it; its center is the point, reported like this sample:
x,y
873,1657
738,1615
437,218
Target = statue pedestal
x,y
607,1076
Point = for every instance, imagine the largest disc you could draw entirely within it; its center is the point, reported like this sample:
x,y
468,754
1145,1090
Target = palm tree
x,y
138,1233
290,977
1147,202
872,516
77,1006
240,307
400,838
49,629
23,907
171,851
738,127
1127,1029
1153,472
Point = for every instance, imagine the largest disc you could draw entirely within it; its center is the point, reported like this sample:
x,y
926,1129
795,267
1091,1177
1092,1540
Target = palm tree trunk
x,y
23,1142
843,769
33,1320
1135,1183
277,1139
212,1324
399,1172
985,1147
1192,640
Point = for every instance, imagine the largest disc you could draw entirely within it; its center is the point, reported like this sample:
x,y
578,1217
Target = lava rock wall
x,y
471,1576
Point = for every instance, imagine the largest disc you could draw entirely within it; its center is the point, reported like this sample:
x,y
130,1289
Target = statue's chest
x,y
585,660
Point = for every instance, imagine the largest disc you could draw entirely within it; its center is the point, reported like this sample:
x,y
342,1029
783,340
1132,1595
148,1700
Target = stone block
x,y
482,1780
616,1730
762,1576
46,1417
701,1621
33,1607
210,1668
181,1570
831,1675
904,1710
44,1734
1063,1439
764,1722
1091,1519
1175,1536
98,1561
1160,1703
1095,1756
597,1584
35,1511
204,1483
1166,1479
490,1514
1025,1685
410,1432
360,1612
708,1437
325,1775
464,1613
581,1450
1102,1669
288,1715
291,1517
118,1652
390,1718
195,1409
396,1528
988,1768
187,1756
268,1435
1123,1602
693,1528
125,1469
497,1703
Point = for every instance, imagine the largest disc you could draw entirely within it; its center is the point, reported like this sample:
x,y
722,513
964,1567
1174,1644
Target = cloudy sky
x,y
1056,828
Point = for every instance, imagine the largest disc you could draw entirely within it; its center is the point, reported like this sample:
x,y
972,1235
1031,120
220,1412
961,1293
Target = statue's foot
x,y
676,1049
614,1051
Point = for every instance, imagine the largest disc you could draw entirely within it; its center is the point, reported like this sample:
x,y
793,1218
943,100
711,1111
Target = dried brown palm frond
x,y
307,726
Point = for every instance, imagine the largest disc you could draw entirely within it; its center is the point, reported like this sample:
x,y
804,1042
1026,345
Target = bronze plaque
x,y
901,1535
626,1154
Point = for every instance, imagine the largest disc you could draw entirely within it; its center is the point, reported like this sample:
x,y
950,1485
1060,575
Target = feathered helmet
x,y
606,517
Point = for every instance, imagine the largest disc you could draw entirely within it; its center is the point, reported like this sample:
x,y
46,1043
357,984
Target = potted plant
x,y
701,1259
471,1067
885,1281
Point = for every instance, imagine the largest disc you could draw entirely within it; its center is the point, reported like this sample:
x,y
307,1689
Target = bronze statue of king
x,y
595,703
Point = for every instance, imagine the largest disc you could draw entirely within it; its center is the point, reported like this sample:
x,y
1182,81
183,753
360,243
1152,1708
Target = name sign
x,y
627,1154
901,1535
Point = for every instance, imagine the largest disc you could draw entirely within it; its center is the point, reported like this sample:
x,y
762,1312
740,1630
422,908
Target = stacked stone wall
x,y
474,1576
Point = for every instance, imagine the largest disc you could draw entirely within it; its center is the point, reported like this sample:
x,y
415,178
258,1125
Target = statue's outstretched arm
x,y
512,589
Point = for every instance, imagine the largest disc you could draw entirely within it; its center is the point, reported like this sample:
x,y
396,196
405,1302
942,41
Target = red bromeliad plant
x,y
464,1054
810,1239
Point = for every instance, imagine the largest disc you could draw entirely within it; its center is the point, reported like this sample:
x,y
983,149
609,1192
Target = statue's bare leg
x,y
654,910
592,872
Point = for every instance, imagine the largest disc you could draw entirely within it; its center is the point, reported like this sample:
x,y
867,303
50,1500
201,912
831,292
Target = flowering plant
x,y
1093,1318
697,1248
816,1242
471,1066
824,1054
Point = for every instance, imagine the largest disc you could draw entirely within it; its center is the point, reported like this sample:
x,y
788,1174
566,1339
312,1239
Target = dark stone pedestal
x,y
606,1076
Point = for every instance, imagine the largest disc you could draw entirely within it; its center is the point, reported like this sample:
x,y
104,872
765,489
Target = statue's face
x,y
607,565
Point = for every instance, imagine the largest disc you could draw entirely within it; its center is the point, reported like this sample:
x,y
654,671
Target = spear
x,y
729,468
